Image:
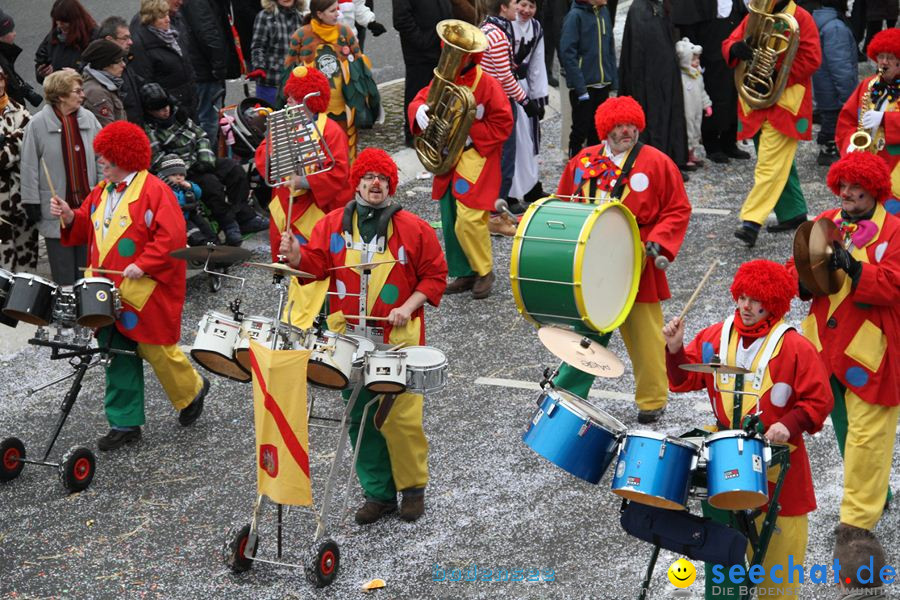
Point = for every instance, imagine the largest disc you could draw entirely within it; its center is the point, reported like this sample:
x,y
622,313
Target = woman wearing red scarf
x,y
786,373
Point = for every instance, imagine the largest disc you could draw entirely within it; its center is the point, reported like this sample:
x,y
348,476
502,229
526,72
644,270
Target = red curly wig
x,y
305,80
886,40
125,145
618,110
374,160
767,282
867,170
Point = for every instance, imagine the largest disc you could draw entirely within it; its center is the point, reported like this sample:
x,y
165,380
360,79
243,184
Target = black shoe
x,y
688,167
789,225
192,411
371,511
684,176
553,81
116,438
719,157
412,505
536,193
650,416
737,153
233,235
515,207
255,225
746,235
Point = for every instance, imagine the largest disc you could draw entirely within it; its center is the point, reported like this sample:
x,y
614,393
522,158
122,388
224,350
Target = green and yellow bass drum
x,y
576,265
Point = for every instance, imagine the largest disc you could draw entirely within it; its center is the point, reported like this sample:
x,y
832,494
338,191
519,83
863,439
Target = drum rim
x,y
424,350
387,354
573,404
226,318
87,280
580,250
655,435
338,336
518,240
38,278
732,433
257,319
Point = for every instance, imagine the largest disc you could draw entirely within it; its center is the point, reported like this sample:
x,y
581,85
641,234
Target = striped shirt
x,y
497,61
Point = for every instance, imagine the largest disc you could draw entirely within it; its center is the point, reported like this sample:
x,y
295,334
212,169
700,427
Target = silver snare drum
x,y
426,369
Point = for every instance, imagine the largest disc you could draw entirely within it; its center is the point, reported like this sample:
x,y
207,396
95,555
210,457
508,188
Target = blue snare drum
x,y
655,469
574,435
736,470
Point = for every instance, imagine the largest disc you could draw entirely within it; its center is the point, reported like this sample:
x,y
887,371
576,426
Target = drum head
x,y
326,376
610,266
220,365
424,356
586,409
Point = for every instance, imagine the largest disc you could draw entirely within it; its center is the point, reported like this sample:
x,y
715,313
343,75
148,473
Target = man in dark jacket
x,y
415,21
115,29
16,87
213,57
649,72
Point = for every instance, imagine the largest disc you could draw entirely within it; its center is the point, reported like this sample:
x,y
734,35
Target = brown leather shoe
x,y
482,287
502,225
412,506
371,511
460,284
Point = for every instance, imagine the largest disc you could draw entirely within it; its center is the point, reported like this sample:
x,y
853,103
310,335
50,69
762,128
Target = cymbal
x,y
216,254
801,259
580,352
281,269
822,238
364,266
714,368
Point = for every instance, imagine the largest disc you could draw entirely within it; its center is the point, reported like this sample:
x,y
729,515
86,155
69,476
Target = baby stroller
x,y
242,128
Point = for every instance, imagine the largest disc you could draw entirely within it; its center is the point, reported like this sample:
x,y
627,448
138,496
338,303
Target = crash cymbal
x,y
801,259
281,269
216,254
580,352
824,235
714,368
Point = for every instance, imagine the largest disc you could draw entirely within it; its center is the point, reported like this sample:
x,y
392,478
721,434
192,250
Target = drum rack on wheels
x,y
742,519
77,466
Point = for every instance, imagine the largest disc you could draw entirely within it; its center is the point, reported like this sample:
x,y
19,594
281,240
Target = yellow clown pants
x,y
868,454
179,379
466,229
773,166
642,334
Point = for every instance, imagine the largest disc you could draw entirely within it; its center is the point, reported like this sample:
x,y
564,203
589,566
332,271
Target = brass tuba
x,y
770,35
451,107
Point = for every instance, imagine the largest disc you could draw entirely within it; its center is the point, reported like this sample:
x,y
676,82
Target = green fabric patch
x,y
893,149
389,294
802,125
126,247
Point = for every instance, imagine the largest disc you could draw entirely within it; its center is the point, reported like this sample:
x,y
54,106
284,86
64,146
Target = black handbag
x,y
698,538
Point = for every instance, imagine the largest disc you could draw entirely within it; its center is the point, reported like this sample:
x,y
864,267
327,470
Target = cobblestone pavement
x,y
388,135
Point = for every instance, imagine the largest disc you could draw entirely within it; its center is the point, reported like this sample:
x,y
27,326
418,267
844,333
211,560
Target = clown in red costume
x,y
131,221
780,126
880,113
791,383
654,193
857,333
312,196
469,191
373,228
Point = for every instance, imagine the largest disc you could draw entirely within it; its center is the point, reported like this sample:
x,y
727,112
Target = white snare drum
x,y
256,328
359,358
385,372
214,345
426,369
291,337
331,361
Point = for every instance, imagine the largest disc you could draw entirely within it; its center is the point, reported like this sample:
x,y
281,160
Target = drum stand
x,y
77,467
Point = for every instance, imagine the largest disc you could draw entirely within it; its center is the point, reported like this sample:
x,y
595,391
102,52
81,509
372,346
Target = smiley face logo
x,y
682,573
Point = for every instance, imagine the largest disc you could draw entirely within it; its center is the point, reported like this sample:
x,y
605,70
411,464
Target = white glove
x,y
422,117
850,148
479,112
469,141
872,119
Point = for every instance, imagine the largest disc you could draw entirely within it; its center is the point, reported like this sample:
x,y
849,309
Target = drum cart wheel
x,y
235,548
76,470
11,451
324,564
215,283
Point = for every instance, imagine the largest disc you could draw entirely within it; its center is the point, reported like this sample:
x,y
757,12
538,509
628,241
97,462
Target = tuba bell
x,y
770,35
451,107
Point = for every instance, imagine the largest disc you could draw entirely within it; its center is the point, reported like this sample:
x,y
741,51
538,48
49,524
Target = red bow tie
x,y
119,187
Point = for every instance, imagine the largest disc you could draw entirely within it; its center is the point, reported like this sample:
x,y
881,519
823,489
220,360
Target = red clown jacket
x,y
421,267
857,330
791,115
654,193
146,226
889,132
794,380
327,191
475,178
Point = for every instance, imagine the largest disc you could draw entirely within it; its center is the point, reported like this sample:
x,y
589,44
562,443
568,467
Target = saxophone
x,y
770,36
451,107
862,139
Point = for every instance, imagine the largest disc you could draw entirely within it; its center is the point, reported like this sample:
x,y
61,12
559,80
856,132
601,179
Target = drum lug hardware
x,y
662,449
584,427
740,445
551,408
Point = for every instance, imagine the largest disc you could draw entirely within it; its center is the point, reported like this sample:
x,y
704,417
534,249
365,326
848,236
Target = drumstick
x,y
52,189
372,264
397,347
98,270
365,317
696,293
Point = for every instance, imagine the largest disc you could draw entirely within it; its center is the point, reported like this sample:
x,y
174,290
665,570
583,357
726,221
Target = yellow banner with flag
x,y
279,414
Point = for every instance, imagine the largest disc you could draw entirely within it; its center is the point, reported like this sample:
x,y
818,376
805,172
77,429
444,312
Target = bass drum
x,y
576,265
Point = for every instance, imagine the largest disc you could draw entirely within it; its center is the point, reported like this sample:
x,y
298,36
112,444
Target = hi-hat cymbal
x,y
215,254
580,352
801,259
714,368
822,238
281,269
